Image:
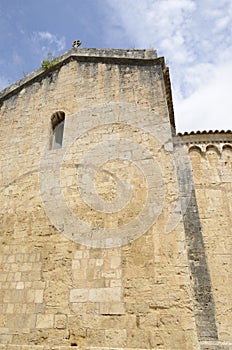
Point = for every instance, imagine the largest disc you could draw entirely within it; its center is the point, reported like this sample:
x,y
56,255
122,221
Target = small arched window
x,y
57,120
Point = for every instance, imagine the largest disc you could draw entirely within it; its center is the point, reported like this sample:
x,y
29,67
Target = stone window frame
x,y
57,134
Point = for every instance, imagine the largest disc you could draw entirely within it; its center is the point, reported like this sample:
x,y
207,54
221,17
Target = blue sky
x,y
195,36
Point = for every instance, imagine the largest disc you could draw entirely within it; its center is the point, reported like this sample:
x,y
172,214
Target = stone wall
x,y
211,160
95,251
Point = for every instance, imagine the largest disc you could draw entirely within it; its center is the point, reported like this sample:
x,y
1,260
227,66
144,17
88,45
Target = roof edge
x,y
204,136
199,132
127,54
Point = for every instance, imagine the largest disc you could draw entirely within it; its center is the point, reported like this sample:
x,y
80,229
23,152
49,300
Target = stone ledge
x,y
203,137
84,54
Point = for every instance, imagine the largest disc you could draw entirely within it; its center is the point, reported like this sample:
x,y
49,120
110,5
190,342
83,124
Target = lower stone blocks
x,y
106,300
44,321
95,295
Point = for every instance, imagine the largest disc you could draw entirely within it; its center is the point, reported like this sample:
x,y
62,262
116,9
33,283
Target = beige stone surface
x,y
110,271
212,170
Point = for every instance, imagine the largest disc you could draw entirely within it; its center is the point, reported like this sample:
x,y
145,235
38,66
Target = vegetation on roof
x,y
49,62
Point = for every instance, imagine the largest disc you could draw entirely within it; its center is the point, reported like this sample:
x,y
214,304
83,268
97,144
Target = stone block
x,y
38,296
79,295
60,321
44,321
105,294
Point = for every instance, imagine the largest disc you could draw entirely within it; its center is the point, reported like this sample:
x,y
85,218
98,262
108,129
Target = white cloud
x,y
210,106
49,42
221,23
196,39
158,24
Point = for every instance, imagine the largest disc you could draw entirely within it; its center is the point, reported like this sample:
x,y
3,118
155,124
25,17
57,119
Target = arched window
x,y
57,120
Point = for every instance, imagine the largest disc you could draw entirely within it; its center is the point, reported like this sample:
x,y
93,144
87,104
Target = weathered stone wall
x,y
119,239
81,271
211,162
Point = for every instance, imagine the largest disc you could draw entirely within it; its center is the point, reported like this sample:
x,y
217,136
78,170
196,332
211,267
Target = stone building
x,y
115,231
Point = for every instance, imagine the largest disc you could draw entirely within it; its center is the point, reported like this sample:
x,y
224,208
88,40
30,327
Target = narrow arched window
x,y
57,120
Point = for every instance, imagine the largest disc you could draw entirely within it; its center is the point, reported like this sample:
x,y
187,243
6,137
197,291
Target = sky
x,y
194,36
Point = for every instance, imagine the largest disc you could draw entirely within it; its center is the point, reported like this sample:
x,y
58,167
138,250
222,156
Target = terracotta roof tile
x,y
205,132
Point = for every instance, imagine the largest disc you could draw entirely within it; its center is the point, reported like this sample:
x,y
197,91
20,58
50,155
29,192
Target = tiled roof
x,y
210,136
205,132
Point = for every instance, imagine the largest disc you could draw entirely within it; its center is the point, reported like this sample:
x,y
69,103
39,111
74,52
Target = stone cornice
x,y
196,137
104,55
118,56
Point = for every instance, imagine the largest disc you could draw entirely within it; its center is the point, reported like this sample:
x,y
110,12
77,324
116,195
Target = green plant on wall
x,y
49,62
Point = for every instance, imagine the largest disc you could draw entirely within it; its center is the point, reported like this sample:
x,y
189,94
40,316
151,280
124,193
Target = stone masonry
x,y
120,236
